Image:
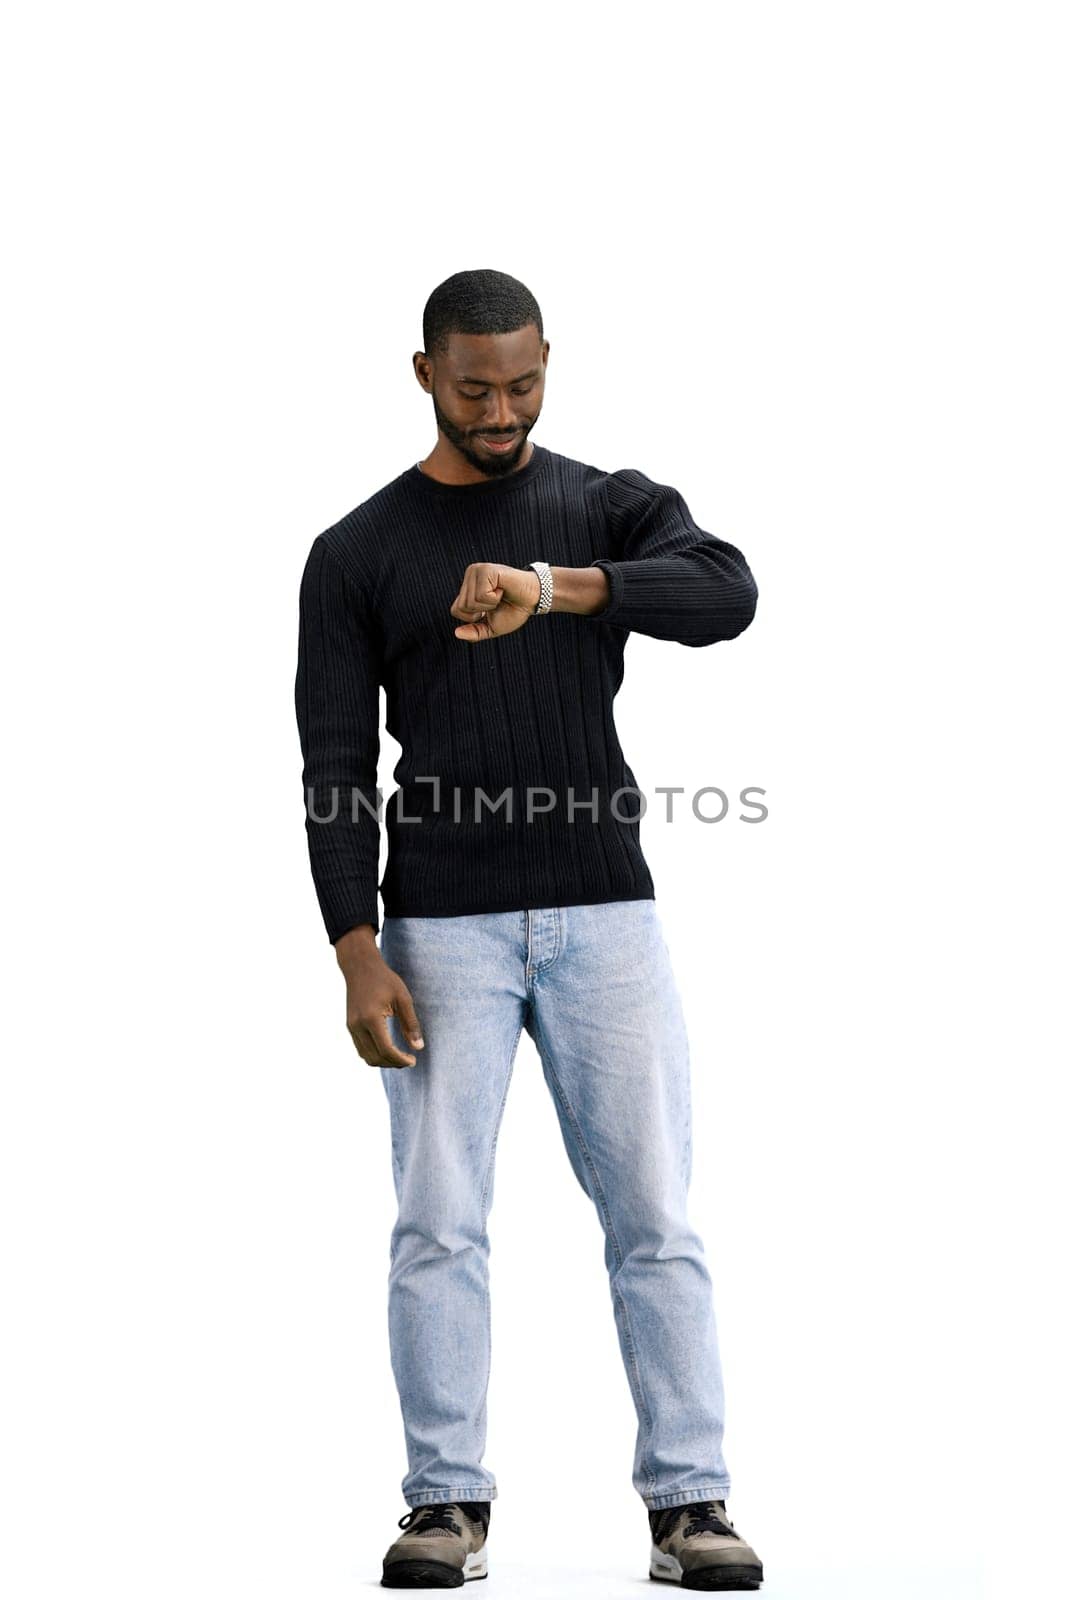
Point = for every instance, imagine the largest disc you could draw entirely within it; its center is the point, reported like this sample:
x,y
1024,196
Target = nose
x,y
500,417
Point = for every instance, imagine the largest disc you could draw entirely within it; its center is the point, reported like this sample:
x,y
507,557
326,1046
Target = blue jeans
x,y
593,986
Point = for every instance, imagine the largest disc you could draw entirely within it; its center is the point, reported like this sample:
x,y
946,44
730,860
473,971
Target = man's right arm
x,y
339,669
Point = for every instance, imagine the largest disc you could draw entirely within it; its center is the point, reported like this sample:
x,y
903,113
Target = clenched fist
x,y
494,600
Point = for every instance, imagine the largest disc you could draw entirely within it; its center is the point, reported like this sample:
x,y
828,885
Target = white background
x,y
804,262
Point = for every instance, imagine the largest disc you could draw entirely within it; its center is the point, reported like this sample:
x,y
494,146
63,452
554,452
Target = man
x,y
491,589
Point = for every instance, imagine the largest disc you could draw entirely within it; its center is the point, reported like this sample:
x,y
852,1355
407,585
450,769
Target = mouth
x,y
498,443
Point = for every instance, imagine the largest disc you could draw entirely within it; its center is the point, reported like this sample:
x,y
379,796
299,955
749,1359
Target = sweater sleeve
x,y
667,577
337,679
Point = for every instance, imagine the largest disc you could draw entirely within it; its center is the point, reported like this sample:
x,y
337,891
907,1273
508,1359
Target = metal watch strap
x,y
544,574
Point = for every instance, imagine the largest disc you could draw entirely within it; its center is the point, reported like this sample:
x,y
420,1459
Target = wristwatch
x,y
544,574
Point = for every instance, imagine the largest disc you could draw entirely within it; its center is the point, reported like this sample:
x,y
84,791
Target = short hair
x,y
481,301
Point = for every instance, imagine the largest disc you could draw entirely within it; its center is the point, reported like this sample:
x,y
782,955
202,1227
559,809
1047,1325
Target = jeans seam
x,y
713,1491
534,968
486,1314
435,1497
496,1129
612,1235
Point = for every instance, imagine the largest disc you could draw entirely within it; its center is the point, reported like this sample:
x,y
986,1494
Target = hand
x,y
374,994
494,600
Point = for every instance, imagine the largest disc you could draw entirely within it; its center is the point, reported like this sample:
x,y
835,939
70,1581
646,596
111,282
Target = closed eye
x,y
483,392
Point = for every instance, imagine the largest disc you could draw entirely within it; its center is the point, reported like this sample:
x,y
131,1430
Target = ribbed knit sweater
x,y
530,712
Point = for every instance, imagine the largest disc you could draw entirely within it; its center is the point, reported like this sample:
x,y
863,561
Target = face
x,y
487,390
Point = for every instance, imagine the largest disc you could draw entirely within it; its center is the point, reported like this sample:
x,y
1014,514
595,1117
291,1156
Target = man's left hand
x,y
494,600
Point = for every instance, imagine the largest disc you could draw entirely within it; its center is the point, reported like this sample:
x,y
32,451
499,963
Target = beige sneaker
x,y
698,1547
442,1546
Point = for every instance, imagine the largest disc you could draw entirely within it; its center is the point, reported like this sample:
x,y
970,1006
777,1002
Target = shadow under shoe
x,y
442,1546
698,1547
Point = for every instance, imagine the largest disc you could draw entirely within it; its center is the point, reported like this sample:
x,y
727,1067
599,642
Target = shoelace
x,y
442,1516
708,1516
433,1516
704,1516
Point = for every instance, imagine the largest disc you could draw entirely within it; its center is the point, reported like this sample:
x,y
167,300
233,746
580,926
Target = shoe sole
x,y
665,1569
416,1574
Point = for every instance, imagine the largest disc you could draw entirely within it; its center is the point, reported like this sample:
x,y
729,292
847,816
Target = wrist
x,y
356,944
581,590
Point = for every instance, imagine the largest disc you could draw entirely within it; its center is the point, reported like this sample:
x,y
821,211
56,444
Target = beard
x,y
493,466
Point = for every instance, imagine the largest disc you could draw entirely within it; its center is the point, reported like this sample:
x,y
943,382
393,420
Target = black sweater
x,y
523,714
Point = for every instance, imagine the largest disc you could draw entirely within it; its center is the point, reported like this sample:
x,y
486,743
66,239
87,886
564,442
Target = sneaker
x,y
442,1546
697,1546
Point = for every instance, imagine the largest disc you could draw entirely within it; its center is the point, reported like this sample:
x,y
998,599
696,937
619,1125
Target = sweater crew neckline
x,y
483,486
